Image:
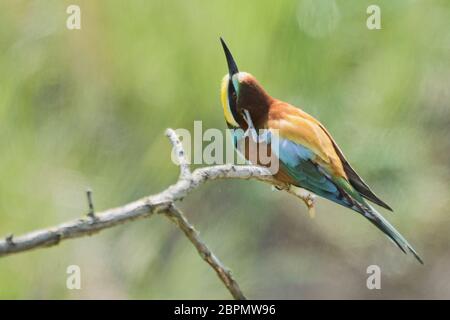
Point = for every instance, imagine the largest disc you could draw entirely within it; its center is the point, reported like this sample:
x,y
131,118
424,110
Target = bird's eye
x,y
232,100
232,93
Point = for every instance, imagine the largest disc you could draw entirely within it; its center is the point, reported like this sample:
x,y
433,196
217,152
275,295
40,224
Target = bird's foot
x,y
276,188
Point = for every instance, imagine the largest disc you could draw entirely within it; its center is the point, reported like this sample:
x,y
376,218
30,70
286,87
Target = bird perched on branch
x,y
308,156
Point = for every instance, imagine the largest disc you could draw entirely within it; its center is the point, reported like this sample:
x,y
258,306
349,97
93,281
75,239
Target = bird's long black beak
x,y
232,67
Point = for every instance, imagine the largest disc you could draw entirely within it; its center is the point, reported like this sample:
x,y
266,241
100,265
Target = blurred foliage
x,y
89,107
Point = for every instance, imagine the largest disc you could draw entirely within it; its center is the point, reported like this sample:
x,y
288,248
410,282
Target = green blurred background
x,y
88,108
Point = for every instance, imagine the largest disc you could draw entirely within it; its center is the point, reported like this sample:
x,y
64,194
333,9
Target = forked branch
x,y
164,203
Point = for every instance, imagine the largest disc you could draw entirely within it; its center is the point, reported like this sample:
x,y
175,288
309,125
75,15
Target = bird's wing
x,y
300,163
355,180
296,161
309,156
296,126
302,128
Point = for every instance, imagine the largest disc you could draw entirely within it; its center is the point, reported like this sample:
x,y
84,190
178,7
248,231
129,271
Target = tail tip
x,y
416,255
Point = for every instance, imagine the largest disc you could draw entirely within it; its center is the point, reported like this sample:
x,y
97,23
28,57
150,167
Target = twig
x,y
91,213
9,239
223,272
162,202
185,171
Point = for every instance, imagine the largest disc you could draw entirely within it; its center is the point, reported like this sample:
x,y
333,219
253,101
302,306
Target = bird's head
x,y
241,91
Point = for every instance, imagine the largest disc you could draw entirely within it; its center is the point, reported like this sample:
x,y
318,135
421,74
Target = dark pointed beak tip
x,y
232,67
222,42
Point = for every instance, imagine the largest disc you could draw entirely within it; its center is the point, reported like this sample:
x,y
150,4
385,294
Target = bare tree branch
x,y
223,272
162,202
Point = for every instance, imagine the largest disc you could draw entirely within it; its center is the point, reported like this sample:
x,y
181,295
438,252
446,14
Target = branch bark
x,y
162,202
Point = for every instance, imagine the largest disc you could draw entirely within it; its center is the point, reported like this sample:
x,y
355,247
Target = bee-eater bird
x,y
308,156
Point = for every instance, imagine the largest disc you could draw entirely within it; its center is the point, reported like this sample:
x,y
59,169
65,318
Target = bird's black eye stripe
x,y
232,99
